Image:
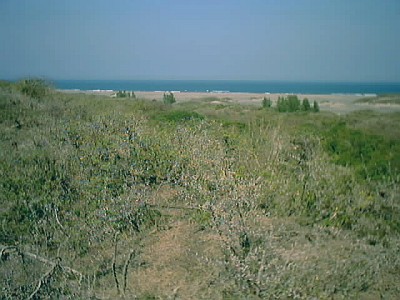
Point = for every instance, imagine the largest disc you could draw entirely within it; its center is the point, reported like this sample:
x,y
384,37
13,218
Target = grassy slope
x,y
196,200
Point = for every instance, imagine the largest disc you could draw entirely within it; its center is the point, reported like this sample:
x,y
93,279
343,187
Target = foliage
x,y
292,103
35,88
125,94
169,98
316,106
266,103
305,105
176,116
373,156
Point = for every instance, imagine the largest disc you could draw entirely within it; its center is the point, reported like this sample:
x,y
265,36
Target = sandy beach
x,y
339,103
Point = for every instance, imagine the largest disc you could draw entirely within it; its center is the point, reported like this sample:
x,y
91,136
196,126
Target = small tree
x,y
293,103
316,106
282,104
266,103
169,98
306,106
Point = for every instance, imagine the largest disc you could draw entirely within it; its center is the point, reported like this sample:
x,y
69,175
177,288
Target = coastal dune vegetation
x,y
105,198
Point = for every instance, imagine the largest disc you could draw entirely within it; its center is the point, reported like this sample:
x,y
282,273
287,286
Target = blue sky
x,y
300,40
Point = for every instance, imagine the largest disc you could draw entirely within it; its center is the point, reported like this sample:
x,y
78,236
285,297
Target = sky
x,y
294,40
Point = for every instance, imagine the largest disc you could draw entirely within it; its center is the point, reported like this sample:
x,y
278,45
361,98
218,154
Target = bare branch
x,y
131,254
43,280
59,223
114,262
44,260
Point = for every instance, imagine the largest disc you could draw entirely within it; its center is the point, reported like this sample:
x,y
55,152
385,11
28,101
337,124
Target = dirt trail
x,y
174,265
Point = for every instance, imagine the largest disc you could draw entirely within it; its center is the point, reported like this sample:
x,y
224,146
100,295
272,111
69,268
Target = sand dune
x,y
334,103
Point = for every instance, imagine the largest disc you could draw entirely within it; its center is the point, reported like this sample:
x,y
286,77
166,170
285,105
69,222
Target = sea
x,y
232,86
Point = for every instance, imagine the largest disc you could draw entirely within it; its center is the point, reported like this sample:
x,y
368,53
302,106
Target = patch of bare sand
x,y
175,263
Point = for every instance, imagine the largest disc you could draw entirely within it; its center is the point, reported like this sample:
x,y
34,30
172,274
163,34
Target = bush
x,y
169,98
372,156
316,106
124,94
306,106
292,103
34,88
266,103
289,104
178,116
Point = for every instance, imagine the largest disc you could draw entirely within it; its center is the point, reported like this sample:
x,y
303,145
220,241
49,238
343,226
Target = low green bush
x,y
169,98
176,116
373,157
35,88
266,103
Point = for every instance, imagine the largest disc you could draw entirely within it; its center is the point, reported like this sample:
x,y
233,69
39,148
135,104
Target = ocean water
x,y
232,86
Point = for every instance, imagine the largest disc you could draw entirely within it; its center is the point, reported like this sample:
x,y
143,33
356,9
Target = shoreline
x,y
109,91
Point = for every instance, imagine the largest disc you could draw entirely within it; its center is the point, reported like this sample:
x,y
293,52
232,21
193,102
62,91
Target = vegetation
x,y
125,94
35,88
169,98
381,99
316,106
266,103
105,197
305,105
292,103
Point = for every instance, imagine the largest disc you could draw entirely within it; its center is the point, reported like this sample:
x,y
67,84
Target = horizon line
x,y
177,79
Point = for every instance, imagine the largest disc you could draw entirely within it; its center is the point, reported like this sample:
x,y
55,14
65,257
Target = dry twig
x,y
131,254
5,249
114,262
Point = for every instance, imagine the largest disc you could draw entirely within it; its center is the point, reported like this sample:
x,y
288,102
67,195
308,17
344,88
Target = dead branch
x,y
59,223
5,249
43,280
131,254
174,207
114,262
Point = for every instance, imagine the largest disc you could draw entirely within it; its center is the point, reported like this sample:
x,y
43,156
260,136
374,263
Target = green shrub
x,y
175,116
124,94
169,98
305,105
266,103
289,104
34,88
293,103
316,106
372,156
